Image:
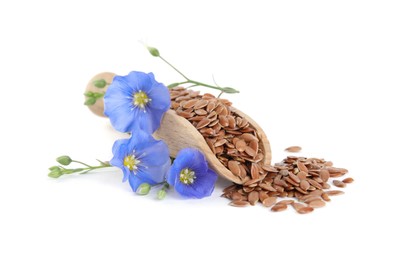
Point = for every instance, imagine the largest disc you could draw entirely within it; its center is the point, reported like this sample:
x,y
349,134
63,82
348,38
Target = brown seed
x,y
254,145
190,103
324,175
348,180
248,137
223,121
201,103
237,196
316,203
286,202
232,122
297,206
269,168
304,185
243,171
302,167
268,202
239,203
220,142
305,210
240,145
200,112
254,171
325,197
315,184
279,207
263,195
253,197
204,122
294,177
234,167
250,151
334,192
302,175
339,184
211,106
267,187
293,149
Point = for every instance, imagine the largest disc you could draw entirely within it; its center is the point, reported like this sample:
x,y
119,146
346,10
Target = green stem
x,y
154,52
91,168
173,67
82,163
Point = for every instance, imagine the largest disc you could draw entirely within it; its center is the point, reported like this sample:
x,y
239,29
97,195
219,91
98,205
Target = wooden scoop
x,y
178,133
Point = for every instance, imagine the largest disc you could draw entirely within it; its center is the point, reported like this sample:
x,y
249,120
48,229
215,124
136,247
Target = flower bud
x,y
143,189
64,160
230,90
100,83
154,51
55,173
161,194
173,85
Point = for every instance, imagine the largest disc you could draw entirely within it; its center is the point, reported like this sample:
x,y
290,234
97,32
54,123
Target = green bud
x,y
230,90
64,160
55,168
154,51
161,194
55,174
143,189
173,85
90,101
100,83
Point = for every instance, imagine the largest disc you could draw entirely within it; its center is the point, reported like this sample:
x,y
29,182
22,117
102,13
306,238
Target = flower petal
x,y
155,154
191,158
203,186
140,81
160,97
135,182
153,174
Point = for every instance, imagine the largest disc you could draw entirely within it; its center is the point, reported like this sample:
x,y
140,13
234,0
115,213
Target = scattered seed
x,y
334,192
239,203
339,184
348,180
305,210
270,201
316,203
293,149
279,207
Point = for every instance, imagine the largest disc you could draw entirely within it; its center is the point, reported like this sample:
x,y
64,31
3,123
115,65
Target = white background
x,y
327,71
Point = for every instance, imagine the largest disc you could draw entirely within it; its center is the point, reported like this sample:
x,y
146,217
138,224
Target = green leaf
x,y
100,83
98,95
90,101
89,94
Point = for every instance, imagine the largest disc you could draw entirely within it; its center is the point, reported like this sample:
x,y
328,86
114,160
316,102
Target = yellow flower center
x,y
131,162
187,176
141,99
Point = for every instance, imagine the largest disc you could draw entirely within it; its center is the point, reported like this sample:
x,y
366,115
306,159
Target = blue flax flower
x,y
136,100
141,158
190,174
